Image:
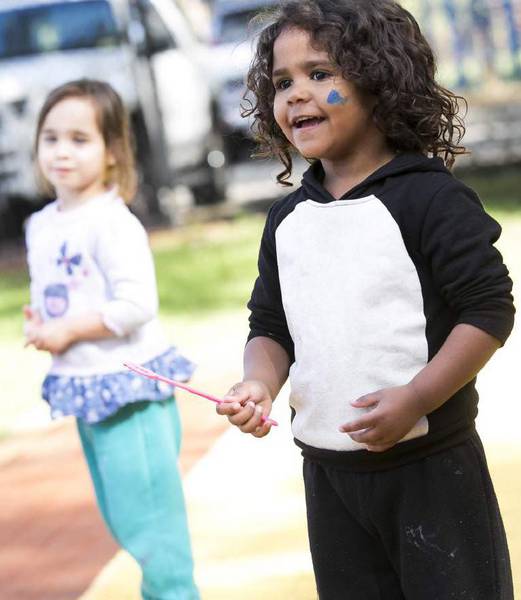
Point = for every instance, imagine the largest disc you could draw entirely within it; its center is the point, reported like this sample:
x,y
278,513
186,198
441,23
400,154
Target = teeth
x,y
299,120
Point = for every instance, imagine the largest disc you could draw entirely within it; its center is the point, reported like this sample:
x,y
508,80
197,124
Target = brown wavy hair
x,y
113,123
378,47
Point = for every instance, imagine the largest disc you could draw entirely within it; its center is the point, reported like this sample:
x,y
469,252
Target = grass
x,y
211,268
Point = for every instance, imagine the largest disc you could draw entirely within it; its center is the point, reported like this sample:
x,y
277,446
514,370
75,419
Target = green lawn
x,y
211,267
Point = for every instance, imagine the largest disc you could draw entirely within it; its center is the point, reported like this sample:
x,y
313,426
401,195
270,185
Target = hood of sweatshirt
x,y
312,180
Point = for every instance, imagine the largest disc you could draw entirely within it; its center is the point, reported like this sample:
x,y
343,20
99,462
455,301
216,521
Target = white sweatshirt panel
x,y
321,249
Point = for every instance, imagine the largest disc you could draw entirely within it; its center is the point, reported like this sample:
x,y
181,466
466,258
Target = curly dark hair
x,y
378,47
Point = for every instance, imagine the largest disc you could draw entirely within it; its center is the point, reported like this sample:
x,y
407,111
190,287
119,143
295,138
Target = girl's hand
x,y
393,413
52,336
32,319
245,405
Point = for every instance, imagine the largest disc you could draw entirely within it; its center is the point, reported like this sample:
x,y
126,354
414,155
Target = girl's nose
x,y
62,148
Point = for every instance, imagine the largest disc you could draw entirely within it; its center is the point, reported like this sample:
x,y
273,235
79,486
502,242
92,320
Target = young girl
x,y
381,294
93,306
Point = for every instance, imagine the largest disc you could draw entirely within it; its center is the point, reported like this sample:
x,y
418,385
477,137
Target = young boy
x,y
381,295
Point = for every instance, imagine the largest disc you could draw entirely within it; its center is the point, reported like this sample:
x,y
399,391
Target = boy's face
x,y
321,114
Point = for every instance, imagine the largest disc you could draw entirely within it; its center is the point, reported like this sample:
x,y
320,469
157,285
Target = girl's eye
x,y
79,140
48,139
320,75
282,84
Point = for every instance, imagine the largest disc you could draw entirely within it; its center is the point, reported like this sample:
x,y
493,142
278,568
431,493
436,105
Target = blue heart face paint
x,y
336,98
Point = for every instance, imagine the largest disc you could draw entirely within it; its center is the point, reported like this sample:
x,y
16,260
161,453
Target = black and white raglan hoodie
x,y
363,291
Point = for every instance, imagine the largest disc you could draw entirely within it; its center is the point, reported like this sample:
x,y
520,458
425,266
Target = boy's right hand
x,y
245,404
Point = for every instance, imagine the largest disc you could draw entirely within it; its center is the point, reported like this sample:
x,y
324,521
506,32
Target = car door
x,y
182,94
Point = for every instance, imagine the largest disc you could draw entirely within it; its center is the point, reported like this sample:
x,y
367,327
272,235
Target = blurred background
x,y
180,67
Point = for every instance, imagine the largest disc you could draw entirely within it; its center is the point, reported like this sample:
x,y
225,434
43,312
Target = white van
x,y
146,50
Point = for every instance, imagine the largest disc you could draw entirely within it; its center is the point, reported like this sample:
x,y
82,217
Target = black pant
x,y
429,530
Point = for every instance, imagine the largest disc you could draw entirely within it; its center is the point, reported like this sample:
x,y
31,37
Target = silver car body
x,y
168,86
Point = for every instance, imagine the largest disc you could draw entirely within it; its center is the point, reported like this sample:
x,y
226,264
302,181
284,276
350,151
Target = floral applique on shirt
x,y
69,262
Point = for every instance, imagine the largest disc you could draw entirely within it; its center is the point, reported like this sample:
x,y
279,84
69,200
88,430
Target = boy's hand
x,y
393,413
245,404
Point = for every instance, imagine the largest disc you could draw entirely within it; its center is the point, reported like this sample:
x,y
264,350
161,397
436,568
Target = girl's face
x,y
321,114
71,151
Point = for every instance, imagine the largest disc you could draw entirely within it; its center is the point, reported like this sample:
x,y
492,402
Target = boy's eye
x,y
79,140
282,84
320,75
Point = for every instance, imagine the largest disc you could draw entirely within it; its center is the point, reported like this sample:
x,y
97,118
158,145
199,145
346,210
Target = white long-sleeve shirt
x,y
96,257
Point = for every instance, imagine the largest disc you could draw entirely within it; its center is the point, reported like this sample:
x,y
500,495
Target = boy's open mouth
x,y
303,122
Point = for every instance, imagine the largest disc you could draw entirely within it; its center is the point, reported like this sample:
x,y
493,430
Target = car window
x,y
53,27
234,26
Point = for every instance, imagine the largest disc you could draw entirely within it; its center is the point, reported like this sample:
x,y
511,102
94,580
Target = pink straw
x,y
151,375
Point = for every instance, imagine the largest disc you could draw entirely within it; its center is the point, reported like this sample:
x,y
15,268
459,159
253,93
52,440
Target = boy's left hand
x,y
393,413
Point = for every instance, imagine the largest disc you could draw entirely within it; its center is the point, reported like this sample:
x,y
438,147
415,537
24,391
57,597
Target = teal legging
x,y
132,458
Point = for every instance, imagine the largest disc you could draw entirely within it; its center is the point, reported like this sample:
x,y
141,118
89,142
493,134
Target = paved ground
x,y
52,541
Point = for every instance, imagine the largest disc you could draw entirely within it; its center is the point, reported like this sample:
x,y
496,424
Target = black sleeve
x,y
458,239
267,316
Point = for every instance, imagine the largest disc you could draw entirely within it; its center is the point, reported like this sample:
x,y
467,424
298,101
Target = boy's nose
x,y
299,93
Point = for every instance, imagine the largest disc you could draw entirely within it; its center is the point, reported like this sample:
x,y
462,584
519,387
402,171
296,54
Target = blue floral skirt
x,y
93,398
